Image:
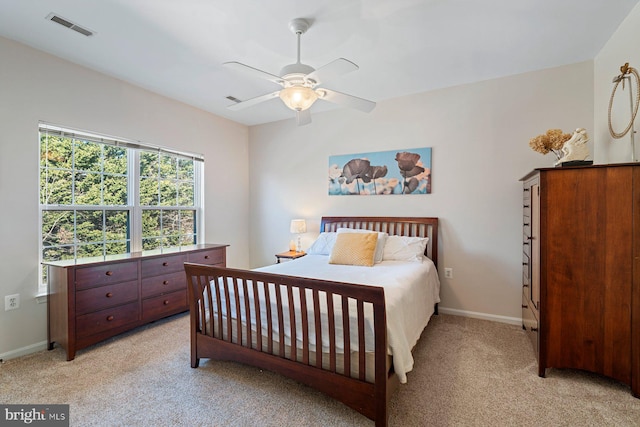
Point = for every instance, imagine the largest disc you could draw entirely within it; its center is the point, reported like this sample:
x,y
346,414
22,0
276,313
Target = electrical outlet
x,y
448,273
11,302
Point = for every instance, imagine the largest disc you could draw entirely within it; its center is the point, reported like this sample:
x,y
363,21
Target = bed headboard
x,y
397,226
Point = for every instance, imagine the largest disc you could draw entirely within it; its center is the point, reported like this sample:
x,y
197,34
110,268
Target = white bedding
x,y
411,291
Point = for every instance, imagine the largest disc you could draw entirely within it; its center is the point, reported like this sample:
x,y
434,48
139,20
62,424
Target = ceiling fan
x,y
300,83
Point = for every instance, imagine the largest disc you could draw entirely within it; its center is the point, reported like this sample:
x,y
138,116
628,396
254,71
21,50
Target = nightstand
x,y
289,255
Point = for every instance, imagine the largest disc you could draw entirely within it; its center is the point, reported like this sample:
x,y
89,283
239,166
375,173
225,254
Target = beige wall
x,y
622,47
257,179
479,134
35,86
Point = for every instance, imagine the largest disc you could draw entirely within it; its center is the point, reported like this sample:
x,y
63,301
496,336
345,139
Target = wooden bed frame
x,y
332,373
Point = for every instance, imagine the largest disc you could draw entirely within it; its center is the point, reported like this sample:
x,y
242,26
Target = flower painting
x,y
384,172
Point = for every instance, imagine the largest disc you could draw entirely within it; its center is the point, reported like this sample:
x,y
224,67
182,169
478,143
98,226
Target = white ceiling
x,y
176,47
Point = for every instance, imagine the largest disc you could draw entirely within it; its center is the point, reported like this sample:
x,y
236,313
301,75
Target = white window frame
x,y
133,206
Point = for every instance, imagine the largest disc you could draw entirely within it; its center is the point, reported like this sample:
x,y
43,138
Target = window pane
x,y
89,226
115,190
150,223
90,250
149,244
116,248
88,156
168,193
187,240
57,253
88,189
117,225
148,192
185,169
115,160
56,187
168,166
187,222
57,228
185,194
55,152
149,164
170,223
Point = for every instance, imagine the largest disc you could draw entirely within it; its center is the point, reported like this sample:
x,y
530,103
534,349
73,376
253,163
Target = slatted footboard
x,y
276,323
273,322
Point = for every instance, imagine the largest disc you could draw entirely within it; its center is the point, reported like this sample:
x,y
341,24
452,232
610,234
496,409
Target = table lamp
x,y
298,226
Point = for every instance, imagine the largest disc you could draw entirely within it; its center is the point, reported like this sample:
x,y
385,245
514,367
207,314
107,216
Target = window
x,y
100,196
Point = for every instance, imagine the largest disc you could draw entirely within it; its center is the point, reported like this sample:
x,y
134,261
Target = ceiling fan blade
x,y
303,117
346,100
253,101
333,69
254,72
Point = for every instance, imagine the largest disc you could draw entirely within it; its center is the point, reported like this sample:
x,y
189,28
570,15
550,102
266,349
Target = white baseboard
x,y
444,310
24,351
483,316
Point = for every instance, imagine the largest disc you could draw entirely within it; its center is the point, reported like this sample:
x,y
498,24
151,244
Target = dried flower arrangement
x,y
552,141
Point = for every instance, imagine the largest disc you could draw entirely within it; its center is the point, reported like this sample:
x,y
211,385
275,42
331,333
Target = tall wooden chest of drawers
x,y
581,269
92,299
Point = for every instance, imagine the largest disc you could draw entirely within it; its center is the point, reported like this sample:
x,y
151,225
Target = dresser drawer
x,y
530,324
99,275
95,299
162,284
526,270
164,305
104,320
212,256
163,265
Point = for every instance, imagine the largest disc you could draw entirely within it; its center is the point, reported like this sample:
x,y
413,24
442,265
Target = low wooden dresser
x,y
93,299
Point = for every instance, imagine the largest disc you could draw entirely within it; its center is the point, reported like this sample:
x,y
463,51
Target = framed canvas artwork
x,y
384,172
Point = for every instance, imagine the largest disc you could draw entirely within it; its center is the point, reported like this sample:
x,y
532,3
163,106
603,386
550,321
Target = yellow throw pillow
x,y
354,249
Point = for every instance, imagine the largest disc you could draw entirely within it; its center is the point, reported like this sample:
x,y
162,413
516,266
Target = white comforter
x,y
411,291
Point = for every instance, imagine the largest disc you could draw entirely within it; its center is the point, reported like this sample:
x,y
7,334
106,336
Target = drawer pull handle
x,y
109,318
166,282
525,286
527,189
534,329
524,306
164,264
109,273
526,206
109,295
166,302
206,257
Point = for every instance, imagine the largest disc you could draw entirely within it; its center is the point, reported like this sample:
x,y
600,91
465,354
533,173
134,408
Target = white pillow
x,y
404,248
382,238
323,244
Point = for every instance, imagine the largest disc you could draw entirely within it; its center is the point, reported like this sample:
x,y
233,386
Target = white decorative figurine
x,y
575,148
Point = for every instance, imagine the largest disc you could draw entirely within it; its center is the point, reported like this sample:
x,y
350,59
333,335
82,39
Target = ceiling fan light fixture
x,y
298,98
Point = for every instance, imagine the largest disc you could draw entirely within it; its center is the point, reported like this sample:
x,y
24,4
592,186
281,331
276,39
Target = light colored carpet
x,y
467,372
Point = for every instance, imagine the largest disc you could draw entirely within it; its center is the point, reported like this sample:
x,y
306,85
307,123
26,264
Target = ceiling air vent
x,y
66,23
232,98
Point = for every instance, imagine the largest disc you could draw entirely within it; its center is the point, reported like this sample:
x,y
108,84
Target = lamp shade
x,y
298,98
298,226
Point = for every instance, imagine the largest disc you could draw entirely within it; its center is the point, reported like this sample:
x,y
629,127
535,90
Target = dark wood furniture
x,y
289,255
92,299
581,269
332,373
